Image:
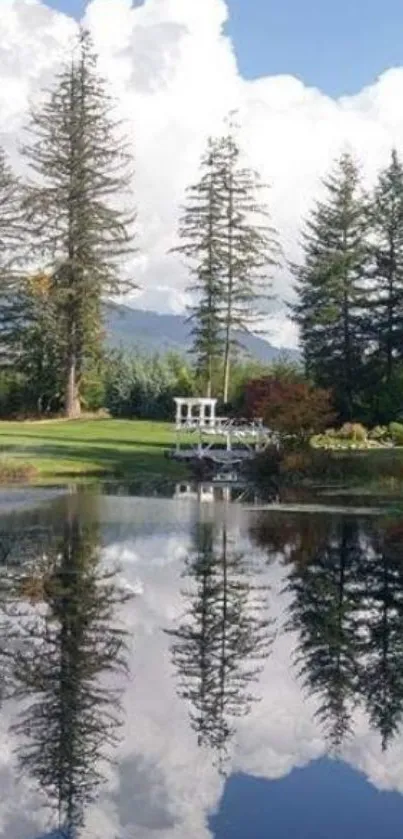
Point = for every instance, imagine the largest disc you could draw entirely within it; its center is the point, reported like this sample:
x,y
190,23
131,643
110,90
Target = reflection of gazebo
x,y
189,492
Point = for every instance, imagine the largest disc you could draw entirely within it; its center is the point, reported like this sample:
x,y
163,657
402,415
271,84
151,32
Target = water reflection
x,y
324,610
66,641
224,636
264,641
381,659
345,579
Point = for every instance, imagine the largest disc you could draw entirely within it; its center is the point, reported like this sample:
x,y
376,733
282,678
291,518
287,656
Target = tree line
x,y
66,245
350,292
348,283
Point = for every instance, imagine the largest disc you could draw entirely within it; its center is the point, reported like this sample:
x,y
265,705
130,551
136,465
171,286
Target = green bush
x,y
396,433
380,433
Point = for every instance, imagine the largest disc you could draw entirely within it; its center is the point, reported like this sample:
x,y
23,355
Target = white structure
x,y
197,423
195,413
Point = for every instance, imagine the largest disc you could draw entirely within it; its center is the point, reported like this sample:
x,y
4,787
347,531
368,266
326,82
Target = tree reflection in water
x,y
66,641
345,579
220,644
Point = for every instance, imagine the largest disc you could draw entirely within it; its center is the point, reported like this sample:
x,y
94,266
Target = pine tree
x,y
232,250
251,250
386,272
330,287
200,233
78,236
11,254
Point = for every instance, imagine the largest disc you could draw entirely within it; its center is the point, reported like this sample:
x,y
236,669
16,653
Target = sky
x,y
309,79
337,47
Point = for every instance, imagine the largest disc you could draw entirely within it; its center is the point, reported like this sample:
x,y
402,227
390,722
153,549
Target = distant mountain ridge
x,y
128,328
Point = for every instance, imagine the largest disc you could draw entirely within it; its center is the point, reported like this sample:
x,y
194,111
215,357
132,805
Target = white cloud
x,y
175,75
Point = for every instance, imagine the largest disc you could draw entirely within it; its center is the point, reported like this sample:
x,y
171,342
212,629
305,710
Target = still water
x,y
181,669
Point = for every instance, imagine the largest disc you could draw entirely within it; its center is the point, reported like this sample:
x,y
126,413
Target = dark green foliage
x,y
330,287
386,271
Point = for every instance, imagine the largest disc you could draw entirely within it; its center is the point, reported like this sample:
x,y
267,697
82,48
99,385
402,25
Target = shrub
x,y
15,471
296,463
396,433
353,431
380,433
292,408
267,464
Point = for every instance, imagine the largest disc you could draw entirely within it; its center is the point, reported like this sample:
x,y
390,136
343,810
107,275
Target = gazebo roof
x,y
194,400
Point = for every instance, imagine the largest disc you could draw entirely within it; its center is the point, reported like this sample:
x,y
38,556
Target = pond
x,y
178,667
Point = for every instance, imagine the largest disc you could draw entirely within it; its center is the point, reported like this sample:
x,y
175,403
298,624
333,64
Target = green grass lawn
x,y
61,449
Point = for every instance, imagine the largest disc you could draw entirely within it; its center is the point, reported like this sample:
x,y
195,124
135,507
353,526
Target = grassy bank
x,y
365,472
59,450
98,447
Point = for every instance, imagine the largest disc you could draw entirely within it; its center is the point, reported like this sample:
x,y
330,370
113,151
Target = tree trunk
x,y
228,325
72,406
389,346
227,368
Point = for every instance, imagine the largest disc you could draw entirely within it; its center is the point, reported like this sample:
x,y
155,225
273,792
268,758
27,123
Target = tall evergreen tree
x,y
232,250
330,287
200,234
12,235
251,249
78,236
386,272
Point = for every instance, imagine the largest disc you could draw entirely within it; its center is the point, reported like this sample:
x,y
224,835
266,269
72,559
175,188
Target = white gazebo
x,y
196,422
192,413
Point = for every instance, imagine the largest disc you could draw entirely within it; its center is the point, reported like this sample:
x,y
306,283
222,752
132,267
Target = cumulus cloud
x,y
175,75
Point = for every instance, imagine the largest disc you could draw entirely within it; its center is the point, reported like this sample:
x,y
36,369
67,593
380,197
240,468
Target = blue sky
x,y
336,46
326,798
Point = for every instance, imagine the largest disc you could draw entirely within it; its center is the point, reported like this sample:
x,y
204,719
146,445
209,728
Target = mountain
x,y
151,332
